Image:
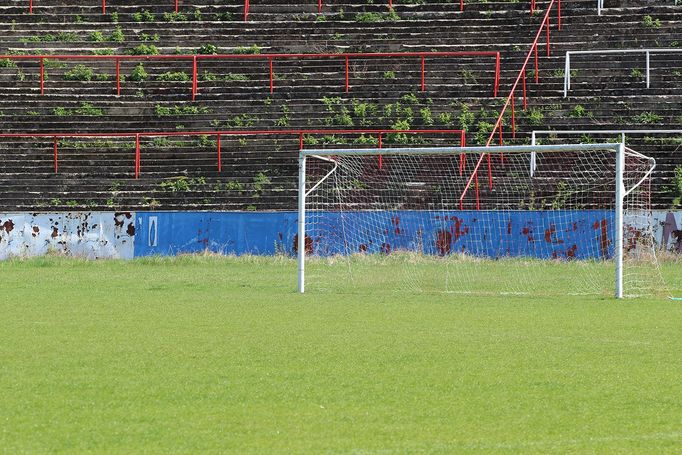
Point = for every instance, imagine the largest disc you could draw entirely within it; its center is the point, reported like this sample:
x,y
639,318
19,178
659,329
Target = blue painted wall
x,y
560,234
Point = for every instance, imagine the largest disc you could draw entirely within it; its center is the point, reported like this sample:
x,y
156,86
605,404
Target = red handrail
x,y
268,57
473,179
247,7
460,134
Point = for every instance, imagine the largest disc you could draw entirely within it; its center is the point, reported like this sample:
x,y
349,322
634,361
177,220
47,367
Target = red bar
x,y
42,76
220,158
194,79
497,75
461,5
137,156
30,6
558,13
478,198
525,98
490,171
104,6
547,36
381,159
272,77
532,6
300,141
319,6
500,131
462,156
537,65
513,119
423,78
246,10
118,77
56,156
390,4
177,6
347,76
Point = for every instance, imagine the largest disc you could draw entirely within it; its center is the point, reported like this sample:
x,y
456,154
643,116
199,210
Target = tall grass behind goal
x,y
430,219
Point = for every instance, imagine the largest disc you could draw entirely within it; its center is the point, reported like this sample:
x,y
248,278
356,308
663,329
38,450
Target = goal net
x,y
545,220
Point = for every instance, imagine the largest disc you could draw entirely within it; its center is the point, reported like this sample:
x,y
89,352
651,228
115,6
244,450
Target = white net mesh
x,y
397,222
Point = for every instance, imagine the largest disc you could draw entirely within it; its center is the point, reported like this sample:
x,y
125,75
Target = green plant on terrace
x,y
636,73
144,49
144,16
208,49
650,22
646,118
174,17
79,73
254,49
578,112
139,74
117,36
535,117
173,76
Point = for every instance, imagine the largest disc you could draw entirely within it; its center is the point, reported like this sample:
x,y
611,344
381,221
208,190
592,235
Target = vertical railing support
x,y
558,14
461,5
137,156
390,4
246,10
177,6
220,156
42,76
104,7
30,6
195,76
462,156
525,96
423,73
381,145
648,66
55,155
301,222
319,6
496,89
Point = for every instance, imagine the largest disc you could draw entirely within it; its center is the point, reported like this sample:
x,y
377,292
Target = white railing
x,y
622,133
600,6
647,52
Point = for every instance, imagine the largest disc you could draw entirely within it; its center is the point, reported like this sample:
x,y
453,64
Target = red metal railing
x,y
247,7
520,79
345,57
300,134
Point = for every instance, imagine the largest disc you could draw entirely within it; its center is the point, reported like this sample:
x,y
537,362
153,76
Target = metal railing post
x,y
272,76
648,65
423,75
42,76
104,7
137,156
347,75
118,77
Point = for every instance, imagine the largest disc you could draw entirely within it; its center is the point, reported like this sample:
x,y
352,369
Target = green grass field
x,y
220,355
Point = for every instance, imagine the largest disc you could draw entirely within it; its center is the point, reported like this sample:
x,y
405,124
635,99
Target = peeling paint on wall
x,y
91,235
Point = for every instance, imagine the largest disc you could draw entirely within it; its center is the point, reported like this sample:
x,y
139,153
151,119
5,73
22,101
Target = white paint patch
x,y
91,235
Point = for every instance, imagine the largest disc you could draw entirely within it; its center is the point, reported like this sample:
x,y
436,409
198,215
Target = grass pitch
x,y
216,355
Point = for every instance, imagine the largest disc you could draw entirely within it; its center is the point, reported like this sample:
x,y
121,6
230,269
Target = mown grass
x,y
209,355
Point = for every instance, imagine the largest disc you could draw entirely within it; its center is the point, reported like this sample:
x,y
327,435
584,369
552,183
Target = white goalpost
x,y
477,220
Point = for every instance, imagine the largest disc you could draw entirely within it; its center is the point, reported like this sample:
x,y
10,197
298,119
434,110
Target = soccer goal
x,y
476,220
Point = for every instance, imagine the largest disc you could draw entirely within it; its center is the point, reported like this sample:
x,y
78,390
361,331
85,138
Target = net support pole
x,y
620,192
301,223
